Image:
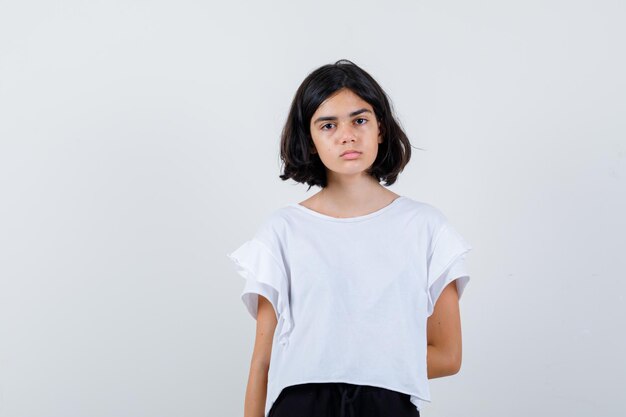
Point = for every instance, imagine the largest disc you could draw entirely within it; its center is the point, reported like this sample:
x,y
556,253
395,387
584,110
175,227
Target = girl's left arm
x,y
444,335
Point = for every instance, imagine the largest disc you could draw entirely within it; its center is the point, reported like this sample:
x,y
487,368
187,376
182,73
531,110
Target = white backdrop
x,y
139,145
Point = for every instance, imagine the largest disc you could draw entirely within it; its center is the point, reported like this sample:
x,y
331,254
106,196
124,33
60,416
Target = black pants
x,y
340,399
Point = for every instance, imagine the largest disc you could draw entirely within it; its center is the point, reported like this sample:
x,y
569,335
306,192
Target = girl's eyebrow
x,y
354,113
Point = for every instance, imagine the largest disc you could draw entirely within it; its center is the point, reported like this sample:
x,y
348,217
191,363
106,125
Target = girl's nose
x,y
346,132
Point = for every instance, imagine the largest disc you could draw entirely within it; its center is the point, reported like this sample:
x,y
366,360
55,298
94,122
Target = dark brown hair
x,y
296,144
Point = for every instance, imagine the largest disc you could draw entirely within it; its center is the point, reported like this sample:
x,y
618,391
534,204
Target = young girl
x,y
356,289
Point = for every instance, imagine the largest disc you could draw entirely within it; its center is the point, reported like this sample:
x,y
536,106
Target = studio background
x,y
139,145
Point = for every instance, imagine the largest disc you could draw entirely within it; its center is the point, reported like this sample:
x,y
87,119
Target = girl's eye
x,y
361,121
324,127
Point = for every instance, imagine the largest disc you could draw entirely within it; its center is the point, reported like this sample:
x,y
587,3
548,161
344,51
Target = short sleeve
x,y
447,263
265,275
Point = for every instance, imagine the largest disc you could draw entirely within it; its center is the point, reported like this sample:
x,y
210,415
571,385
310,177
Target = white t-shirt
x,y
352,295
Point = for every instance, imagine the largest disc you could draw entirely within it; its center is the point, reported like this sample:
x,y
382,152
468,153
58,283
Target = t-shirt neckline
x,y
348,219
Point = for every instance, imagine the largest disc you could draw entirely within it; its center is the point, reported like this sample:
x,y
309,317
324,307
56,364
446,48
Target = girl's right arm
x,y
256,390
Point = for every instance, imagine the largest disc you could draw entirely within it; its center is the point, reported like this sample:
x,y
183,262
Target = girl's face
x,y
344,122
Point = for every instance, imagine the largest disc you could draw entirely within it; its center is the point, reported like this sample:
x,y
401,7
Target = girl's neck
x,y
339,200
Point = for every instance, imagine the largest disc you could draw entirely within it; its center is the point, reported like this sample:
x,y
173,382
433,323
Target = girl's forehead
x,y
344,99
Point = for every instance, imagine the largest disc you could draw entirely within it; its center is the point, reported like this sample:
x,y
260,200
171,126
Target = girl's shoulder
x,y
424,211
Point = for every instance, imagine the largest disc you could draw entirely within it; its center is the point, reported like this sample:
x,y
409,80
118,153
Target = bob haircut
x,y
301,163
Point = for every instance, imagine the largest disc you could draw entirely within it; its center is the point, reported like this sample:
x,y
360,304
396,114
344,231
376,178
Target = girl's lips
x,y
351,155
